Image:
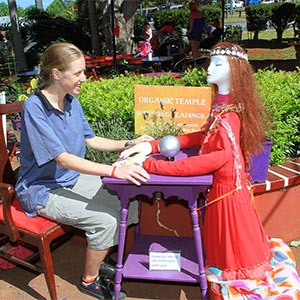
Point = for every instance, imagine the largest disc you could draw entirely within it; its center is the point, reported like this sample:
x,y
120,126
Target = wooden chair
x,y
38,232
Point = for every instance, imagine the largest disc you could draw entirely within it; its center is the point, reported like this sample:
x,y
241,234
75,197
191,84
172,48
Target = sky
x,y
26,3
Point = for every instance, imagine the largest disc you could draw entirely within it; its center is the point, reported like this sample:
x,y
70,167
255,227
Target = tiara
x,y
229,52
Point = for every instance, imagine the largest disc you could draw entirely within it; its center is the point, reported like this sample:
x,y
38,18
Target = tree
x,y
57,28
257,17
4,9
18,46
282,13
122,17
39,4
94,27
58,8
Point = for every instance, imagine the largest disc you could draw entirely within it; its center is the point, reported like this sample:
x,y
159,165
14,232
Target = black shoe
x,y
107,270
100,289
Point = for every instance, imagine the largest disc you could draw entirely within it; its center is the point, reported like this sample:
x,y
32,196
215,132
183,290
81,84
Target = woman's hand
x,y
143,149
133,173
143,138
136,160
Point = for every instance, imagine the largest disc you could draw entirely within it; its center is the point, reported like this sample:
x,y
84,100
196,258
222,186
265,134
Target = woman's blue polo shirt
x,y
46,133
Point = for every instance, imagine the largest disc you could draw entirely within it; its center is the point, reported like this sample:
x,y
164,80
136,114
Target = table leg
x,y
199,251
121,247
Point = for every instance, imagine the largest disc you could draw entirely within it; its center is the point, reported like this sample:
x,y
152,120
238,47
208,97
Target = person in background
x,y
241,260
55,180
196,28
213,37
144,46
3,47
101,34
147,32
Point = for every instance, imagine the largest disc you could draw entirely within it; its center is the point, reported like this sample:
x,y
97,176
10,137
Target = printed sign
x,y
184,107
167,260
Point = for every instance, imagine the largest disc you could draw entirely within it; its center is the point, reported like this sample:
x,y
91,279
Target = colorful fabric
x,y
281,283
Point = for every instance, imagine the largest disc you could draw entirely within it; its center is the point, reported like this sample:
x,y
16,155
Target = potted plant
x,y
259,163
233,33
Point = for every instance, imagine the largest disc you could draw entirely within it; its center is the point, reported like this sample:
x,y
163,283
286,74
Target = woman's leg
x,y
195,48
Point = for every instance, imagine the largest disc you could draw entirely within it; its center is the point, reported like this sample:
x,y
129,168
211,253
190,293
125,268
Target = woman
x,y
147,32
212,37
196,29
242,262
55,180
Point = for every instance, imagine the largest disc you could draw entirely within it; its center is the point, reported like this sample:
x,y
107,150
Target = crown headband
x,y
229,52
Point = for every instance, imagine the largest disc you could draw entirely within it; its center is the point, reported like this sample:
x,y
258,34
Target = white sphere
x,y
169,146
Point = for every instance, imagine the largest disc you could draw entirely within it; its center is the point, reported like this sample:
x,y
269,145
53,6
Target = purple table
x,y
137,263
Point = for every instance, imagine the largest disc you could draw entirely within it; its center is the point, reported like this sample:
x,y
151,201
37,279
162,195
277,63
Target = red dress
x,y
234,239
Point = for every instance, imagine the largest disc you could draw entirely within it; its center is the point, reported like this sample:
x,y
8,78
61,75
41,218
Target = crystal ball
x,y
169,146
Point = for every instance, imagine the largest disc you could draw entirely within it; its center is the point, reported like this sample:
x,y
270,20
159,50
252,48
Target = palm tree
x,y
39,4
16,36
94,27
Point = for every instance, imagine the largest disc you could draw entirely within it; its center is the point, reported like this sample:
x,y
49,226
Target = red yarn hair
x,y
244,93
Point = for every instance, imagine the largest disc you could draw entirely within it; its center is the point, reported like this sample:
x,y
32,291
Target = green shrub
x,y
233,34
281,94
282,13
179,18
257,17
12,89
100,99
113,128
278,14
195,77
109,107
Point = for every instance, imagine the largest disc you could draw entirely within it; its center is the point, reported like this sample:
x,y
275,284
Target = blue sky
x,y
26,3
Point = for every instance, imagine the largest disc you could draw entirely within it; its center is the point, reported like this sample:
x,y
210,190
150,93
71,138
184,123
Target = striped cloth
x,y
281,283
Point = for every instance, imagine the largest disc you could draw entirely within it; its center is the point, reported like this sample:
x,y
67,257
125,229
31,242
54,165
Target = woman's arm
x,y
186,141
133,173
191,23
214,155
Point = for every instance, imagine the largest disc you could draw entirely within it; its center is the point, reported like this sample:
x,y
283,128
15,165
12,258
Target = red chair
x,y
39,233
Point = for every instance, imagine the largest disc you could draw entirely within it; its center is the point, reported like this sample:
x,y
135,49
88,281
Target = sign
x,y
178,106
164,261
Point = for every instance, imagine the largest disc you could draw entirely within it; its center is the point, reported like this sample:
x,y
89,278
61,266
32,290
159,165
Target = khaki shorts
x,y
89,206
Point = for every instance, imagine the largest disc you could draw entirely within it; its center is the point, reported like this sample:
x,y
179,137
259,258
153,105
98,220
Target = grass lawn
x,y
267,53
267,48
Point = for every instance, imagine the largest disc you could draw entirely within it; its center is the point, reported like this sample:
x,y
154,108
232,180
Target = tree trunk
x,y
17,41
94,28
279,32
255,36
39,4
124,12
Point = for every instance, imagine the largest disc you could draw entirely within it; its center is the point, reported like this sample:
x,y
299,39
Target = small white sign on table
x,y
164,260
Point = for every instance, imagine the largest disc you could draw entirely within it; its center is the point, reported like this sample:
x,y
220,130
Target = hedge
x,y
109,107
